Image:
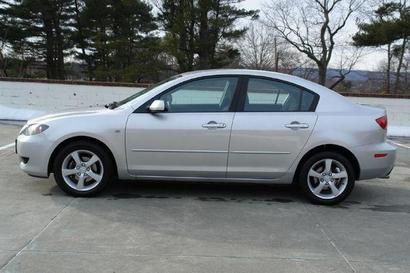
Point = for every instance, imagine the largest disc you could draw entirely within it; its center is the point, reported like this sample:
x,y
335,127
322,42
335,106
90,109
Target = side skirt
x,y
211,179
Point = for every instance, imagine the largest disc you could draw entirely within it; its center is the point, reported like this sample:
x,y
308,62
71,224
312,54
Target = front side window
x,y
204,95
273,96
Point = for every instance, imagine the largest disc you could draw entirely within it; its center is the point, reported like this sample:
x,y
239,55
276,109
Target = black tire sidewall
x,y
303,183
92,147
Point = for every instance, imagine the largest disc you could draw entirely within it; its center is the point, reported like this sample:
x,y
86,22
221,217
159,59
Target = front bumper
x,y
375,167
33,152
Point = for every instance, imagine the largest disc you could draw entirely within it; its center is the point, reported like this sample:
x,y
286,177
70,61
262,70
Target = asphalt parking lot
x,y
188,227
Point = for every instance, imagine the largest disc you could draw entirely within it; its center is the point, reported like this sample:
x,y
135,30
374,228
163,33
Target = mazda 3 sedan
x,y
215,125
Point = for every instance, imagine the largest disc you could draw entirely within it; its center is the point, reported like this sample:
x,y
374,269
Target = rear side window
x,y
264,95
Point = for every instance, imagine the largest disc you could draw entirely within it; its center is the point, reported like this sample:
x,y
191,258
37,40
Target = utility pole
x,y
275,45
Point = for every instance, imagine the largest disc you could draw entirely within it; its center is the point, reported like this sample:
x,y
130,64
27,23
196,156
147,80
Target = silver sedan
x,y
215,125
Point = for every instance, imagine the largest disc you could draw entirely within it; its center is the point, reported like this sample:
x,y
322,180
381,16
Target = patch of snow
x,y
9,113
398,131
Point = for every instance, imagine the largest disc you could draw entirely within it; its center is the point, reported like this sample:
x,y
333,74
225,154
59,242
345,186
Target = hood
x,y
67,113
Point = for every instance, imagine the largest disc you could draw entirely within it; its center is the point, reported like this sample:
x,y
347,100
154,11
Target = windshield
x,y
116,104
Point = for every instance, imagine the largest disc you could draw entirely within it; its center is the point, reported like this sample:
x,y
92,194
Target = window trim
x,y
243,93
232,108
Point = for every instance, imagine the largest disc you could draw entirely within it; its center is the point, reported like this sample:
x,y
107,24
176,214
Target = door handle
x,y
213,125
297,125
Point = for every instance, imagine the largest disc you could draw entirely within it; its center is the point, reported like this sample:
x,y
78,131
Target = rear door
x,y
272,125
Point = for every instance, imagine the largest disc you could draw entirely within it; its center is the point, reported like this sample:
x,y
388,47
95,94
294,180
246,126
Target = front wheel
x,y
83,169
327,178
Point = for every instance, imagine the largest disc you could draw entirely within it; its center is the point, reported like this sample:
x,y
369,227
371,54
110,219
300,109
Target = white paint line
x,y
6,146
399,144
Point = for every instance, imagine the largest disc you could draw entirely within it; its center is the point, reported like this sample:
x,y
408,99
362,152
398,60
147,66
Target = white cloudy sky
x,y
371,58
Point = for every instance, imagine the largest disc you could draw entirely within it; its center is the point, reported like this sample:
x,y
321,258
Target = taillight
x,y
382,121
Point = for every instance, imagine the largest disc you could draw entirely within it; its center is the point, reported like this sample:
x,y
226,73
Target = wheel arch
x,y
328,148
65,142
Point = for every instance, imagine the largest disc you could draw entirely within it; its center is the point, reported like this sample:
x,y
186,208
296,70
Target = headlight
x,y
34,129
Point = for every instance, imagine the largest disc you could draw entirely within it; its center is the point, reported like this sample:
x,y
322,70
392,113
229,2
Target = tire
x,y
82,177
324,185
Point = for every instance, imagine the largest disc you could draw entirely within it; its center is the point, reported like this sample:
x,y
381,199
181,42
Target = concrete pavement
x,y
188,227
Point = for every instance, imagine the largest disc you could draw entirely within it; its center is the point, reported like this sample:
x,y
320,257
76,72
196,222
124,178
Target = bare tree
x,y
311,26
262,49
349,57
258,48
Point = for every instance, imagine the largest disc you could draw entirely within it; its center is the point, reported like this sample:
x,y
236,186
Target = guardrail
x,y
76,82
376,95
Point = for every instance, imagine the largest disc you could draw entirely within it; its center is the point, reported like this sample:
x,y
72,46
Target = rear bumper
x,y
375,167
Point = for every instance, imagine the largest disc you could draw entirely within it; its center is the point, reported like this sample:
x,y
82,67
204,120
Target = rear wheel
x,y
83,169
327,178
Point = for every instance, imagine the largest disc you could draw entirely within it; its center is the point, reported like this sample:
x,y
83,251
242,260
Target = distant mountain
x,y
357,76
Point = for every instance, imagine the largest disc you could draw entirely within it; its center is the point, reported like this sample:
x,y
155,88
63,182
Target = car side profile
x,y
217,125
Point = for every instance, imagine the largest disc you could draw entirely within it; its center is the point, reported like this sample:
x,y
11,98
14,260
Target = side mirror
x,y
157,106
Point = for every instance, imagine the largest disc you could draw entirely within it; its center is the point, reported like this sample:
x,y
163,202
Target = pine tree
x,y
117,40
198,32
41,28
390,24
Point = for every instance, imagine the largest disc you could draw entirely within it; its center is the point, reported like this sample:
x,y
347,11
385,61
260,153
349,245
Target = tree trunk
x,y
322,70
81,40
389,57
54,44
3,62
3,71
338,81
59,54
399,65
50,67
191,43
184,58
204,57
275,41
21,62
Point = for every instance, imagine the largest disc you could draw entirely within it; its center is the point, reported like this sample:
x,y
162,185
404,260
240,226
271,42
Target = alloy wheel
x,y
327,178
82,170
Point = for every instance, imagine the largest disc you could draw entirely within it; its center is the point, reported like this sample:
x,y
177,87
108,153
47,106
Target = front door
x,y
191,138
271,127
